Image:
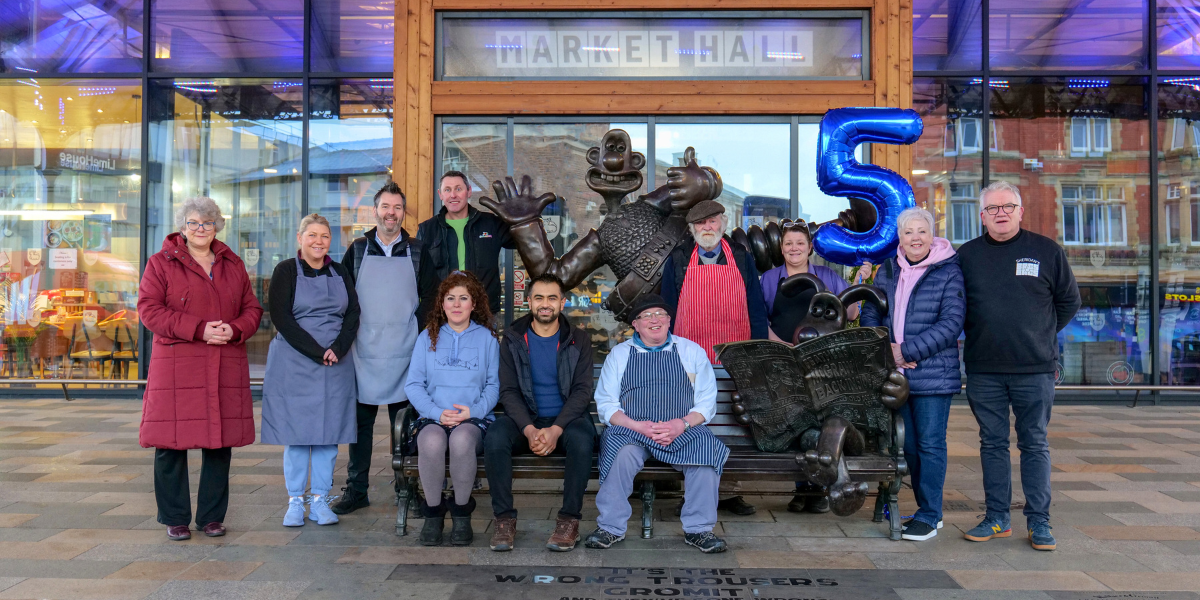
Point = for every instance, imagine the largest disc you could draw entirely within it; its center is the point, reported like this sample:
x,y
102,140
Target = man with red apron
x,y
712,286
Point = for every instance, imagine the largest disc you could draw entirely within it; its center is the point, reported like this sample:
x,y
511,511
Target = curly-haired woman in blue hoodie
x,y
453,384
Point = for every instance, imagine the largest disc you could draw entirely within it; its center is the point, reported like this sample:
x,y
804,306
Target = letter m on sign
x,y
510,49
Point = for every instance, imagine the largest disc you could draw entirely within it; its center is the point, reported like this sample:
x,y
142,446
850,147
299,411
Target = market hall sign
x,y
695,48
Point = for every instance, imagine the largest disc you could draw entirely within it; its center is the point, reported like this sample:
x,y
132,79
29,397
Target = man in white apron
x,y
656,392
384,265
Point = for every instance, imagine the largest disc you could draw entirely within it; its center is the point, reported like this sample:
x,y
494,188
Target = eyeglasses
x,y
654,316
207,225
798,224
995,209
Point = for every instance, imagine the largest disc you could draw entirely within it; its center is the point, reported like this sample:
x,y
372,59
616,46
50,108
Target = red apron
x,y
712,303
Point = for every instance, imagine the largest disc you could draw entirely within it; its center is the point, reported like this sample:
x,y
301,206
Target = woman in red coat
x,y
195,297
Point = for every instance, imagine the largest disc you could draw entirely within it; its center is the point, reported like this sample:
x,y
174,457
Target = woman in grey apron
x,y
309,389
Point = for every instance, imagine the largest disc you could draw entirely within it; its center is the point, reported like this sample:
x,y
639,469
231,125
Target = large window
x,y
70,181
1079,155
1179,237
946,180
240,143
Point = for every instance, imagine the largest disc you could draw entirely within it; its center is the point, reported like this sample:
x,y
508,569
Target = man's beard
x,y
383,226
545,320
708,240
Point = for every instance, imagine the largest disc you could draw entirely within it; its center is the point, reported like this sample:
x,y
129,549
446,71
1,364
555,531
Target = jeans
x,y
1031,397
925,422
700,485
171,487
360,451
296,462
503,440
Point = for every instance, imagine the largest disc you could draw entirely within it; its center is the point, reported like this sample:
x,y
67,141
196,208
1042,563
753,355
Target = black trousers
x,y
171,487
360,451
504,439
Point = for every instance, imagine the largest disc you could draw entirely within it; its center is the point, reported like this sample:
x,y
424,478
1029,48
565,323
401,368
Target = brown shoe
x,y
566,533
505,535
214,529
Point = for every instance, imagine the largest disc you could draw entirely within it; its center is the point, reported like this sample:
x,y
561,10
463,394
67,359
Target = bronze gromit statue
x,y
830,395
634,239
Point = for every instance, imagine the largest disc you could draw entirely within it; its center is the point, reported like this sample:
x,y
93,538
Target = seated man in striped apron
x,y
656,392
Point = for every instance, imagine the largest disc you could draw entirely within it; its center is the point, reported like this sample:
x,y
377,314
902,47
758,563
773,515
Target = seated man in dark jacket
x,y
545,388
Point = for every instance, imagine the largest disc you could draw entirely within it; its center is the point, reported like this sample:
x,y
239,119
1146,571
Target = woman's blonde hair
x,y
313,219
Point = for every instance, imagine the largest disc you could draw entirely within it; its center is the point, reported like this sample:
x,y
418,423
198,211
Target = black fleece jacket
x,y
282,295
574,372
1020,294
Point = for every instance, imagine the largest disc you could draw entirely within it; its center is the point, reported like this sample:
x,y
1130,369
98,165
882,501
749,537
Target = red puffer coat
x,y
197,395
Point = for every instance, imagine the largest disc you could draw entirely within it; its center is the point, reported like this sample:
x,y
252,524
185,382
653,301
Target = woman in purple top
x,y
797,248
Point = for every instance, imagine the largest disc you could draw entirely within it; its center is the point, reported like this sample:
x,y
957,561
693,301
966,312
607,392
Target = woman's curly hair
x,y
481,313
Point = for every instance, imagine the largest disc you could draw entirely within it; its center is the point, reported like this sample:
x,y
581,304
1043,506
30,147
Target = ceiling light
x,y
270,170
34,122
920,172
70,98
100,110
89,139
62,130
45,215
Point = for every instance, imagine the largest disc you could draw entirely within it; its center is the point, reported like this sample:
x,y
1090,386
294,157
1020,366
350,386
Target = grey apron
x,y
305,403
387,328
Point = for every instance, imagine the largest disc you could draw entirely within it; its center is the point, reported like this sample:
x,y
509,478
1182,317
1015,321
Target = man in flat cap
x,y
656,392
711,284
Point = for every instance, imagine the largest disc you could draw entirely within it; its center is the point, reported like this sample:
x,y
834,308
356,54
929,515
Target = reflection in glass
x,y
1179,233
1178,34
555,157
690,46
1078,150
948,159
353,35
1068,34
236,36
238,142
350,154
947,35
752,158
70,159
71,36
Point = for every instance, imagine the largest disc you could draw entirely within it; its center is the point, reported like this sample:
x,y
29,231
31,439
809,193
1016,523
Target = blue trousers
x,y
700,486
296,463
925,422
1030,396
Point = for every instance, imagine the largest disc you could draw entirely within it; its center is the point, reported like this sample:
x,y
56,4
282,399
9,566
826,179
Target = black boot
x,y
435,521
461,534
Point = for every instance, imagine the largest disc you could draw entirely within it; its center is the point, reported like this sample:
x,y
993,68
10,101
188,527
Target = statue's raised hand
x,y
516,205
691,183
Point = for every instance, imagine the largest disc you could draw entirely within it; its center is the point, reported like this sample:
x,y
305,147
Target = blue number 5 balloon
x,y
838,174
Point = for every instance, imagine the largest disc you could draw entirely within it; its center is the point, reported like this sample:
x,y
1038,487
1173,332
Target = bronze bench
x,y
746,463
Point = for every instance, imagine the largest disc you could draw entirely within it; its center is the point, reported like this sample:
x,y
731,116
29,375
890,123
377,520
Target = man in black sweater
x,y
1020,294
546,388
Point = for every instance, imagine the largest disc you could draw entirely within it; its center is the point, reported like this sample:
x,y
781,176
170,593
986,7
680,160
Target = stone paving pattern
x,y
77,520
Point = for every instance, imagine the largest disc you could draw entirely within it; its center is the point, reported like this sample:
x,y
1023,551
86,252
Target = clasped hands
x,y
901,362
452,418
217,333
542,441
659,432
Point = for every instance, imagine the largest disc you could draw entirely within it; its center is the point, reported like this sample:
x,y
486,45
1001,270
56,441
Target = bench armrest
x,y
404,419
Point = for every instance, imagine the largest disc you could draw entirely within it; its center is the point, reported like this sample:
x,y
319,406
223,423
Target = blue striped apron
x,y
656,388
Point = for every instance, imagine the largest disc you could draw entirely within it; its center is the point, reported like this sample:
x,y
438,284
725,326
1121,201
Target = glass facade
x,y
104,131
112,113
1062,105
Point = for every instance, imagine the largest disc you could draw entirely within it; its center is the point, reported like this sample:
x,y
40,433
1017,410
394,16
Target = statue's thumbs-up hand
x,y
516,205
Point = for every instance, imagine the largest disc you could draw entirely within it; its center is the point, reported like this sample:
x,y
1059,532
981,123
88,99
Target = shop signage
x,y
687,46
64,258
250,255
85,162
34,256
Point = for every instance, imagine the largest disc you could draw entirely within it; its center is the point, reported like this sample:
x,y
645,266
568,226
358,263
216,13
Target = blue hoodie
x,y
463,370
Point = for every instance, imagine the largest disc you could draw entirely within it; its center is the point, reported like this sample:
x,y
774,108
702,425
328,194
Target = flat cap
x,y
705,209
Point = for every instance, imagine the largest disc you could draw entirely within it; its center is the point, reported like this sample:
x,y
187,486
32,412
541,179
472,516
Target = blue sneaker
x,y
990,527
1040,536
320,512
295,512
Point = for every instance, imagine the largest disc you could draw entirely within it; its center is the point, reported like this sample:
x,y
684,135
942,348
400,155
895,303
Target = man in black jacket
x,y
1020,293
545,388
383,264
461,237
